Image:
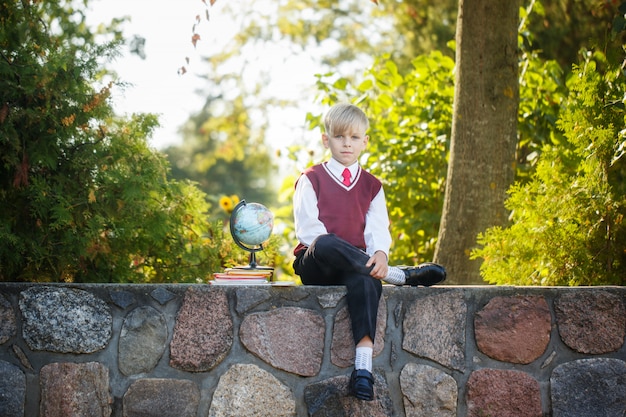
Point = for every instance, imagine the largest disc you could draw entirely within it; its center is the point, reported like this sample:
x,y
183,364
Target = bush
x,y
567,220
83,197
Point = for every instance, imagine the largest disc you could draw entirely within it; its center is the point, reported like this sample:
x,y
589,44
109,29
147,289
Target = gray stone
x,y
513,329
589,387
12,390
293,293
203,333
162,295
7,320
427,391
142,340
591,321
288,338
75,390
22,357
331,298
393,355
162,398
122,298
342,349
434,328
549,359
331,398
247,390
248,298
503,393
64,320
397,313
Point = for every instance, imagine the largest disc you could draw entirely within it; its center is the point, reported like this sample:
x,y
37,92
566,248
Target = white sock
x,y
363,358
395,276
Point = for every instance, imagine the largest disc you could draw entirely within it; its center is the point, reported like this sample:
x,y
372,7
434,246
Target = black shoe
x,y
362,384
425,274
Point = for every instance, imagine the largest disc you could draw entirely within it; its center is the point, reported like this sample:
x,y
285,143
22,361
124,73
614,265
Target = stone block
x,y
122,299
434,328
8,326
247,390
331,298
513,329
162,295
288,338
142,340
503,393
591,321
162,398
12,390
66,320
203,333
589,387
428,392
75,390
250,297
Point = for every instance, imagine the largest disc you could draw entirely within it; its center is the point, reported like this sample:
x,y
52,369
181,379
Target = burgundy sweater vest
x,y
343,209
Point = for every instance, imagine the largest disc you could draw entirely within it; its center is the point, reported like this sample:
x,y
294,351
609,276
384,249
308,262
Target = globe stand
x,y
252,265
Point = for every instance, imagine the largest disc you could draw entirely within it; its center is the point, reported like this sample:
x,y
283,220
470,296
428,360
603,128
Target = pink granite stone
x,y
75,390
288,338
203,333
503,393
513,329
342,350
591,321
8,327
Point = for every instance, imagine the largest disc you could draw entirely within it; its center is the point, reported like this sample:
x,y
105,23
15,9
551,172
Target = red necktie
x,y
346,176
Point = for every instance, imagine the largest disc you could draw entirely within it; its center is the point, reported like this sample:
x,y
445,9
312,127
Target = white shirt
x,y
306,214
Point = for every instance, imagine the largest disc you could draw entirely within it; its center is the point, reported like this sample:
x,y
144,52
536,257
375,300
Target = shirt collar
x,y
337,169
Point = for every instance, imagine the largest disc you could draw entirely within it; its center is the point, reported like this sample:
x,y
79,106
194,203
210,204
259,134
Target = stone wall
x,y
197,351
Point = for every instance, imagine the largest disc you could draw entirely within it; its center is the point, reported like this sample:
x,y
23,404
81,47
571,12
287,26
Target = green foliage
x,y
559,30
225,154
542,91
83,197
411,119
568,219
363,26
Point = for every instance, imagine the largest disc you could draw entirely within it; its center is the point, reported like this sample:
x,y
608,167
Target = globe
x,y
251,225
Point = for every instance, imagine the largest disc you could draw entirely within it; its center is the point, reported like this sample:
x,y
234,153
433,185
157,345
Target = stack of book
x,y
240,276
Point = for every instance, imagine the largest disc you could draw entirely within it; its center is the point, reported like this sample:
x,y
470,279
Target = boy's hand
x,y
379,262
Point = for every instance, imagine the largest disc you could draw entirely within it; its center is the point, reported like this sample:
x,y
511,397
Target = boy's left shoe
x,y
362,384
425,274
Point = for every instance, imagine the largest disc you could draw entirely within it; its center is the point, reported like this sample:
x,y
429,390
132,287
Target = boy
x,y
342,226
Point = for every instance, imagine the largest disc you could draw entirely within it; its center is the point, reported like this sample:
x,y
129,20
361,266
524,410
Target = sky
x,y
156,87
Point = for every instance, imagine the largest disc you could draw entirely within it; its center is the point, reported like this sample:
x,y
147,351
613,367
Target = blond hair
x,y
344,116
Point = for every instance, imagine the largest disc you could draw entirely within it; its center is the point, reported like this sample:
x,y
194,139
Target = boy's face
x,y
346,147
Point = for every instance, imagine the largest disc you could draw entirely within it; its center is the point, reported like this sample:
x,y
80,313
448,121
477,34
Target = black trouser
x,y
331,260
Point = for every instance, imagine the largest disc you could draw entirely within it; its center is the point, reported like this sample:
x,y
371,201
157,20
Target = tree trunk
x,y
484,132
